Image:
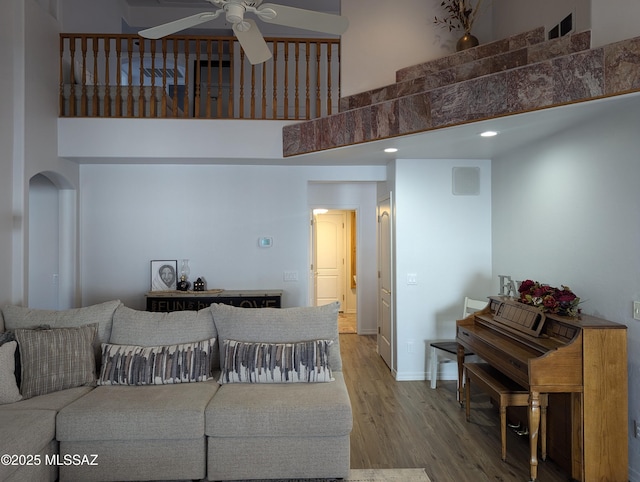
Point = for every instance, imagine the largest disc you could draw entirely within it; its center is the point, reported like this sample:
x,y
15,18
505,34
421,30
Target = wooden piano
x,y
585,357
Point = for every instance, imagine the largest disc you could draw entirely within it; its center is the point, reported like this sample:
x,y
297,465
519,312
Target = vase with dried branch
x,y
460,15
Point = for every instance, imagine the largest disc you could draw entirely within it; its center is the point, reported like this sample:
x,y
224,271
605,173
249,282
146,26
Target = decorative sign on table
x,y
167,301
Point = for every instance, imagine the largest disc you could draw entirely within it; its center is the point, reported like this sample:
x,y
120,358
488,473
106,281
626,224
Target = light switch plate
x,y
636,310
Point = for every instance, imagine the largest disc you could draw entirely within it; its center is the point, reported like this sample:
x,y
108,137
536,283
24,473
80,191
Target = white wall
x,y
614,21
9,37
212,215
512,17
566,212
608,21
446,241
384,37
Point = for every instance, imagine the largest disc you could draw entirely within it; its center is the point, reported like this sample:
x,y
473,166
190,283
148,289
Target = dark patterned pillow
x,y
9,392
156,365
306,361
56,359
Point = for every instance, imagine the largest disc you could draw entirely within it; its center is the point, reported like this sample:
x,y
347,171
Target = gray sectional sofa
x,y
223,393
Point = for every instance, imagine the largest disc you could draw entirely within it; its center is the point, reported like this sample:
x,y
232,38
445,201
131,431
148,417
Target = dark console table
x,y
165,301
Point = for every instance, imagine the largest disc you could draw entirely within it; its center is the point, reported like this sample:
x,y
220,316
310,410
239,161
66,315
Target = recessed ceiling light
x,y
391,149
488,134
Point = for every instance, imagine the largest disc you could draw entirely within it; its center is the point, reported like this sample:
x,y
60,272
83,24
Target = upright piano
x,y
585,357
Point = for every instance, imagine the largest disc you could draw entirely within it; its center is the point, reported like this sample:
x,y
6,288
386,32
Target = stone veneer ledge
x,y
549,76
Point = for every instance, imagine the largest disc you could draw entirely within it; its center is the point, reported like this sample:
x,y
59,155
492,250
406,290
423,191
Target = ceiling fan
x,y
247,31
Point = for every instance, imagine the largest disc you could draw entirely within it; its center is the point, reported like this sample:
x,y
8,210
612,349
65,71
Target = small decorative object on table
x,y
461,14
183,284
561,301
198,285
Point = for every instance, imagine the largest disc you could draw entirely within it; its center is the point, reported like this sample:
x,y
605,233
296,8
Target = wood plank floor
x,y
409,425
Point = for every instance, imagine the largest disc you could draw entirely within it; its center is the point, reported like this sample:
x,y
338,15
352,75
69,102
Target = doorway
x,y
52,243
334,263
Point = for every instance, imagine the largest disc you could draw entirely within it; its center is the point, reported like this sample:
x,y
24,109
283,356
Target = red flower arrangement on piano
x,y
562,301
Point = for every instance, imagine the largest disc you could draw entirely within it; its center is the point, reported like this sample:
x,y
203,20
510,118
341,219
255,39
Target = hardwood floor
x,y
409,425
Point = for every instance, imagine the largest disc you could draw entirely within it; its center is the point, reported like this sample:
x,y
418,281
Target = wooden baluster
x,y
329,98
209,74
61,100
297,83
231,80
107,87
307,114
163,103
118,76
83,97
130,78
175,78
264,91
274,110
318,111
339,71
196,93
95,101
285,109
253,91
219,102
241,116
185,99
72,77
141,95
153,100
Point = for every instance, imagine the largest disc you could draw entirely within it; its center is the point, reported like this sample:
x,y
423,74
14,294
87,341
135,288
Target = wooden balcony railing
x,y
118,75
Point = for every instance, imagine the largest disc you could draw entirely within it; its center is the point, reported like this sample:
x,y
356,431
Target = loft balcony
x,y
196,77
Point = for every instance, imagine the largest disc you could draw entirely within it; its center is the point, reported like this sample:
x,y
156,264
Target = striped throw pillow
x,y
156,365
56,359
306,361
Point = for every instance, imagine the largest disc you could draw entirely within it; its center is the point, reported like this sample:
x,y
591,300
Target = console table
x,y
165,301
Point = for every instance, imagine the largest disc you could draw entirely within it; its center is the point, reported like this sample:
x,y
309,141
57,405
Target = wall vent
x,y
565,27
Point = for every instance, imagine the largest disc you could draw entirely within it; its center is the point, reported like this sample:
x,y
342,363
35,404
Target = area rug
x,y
369,475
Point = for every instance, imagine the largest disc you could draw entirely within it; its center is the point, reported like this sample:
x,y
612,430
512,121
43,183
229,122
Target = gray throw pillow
x,y
56,359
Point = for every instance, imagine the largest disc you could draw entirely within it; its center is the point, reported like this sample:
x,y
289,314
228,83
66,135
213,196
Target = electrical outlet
x,y
636,429
636,310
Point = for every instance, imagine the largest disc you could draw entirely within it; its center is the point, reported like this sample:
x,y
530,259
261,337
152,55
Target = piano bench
x,y
447,349
507,393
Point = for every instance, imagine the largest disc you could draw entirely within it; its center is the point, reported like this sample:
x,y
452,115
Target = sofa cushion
x,y
156,365
137,413
101,313
271,410
24,432
51,401
56,359
9,391
255,362
144,328
280,325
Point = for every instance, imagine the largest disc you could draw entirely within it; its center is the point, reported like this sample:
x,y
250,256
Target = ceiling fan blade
x,y
305,19
252,42
165,29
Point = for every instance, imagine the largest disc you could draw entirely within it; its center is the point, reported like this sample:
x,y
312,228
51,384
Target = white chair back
x,y
471,306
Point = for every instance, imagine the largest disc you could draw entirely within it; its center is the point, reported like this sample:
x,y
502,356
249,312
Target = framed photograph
x,y
164,274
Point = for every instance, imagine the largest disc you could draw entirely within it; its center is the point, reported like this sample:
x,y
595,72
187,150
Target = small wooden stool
x,y
508,394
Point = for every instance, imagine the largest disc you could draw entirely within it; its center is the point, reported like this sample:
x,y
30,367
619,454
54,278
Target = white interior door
x,y
330,257
385,300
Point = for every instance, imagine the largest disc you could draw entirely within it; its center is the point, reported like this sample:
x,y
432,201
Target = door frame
x,y
313,248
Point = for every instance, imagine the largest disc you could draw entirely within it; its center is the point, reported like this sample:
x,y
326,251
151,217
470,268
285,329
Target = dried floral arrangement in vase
x,y
460,15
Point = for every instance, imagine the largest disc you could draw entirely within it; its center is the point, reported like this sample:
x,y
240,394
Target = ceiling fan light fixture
x,y
234,13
